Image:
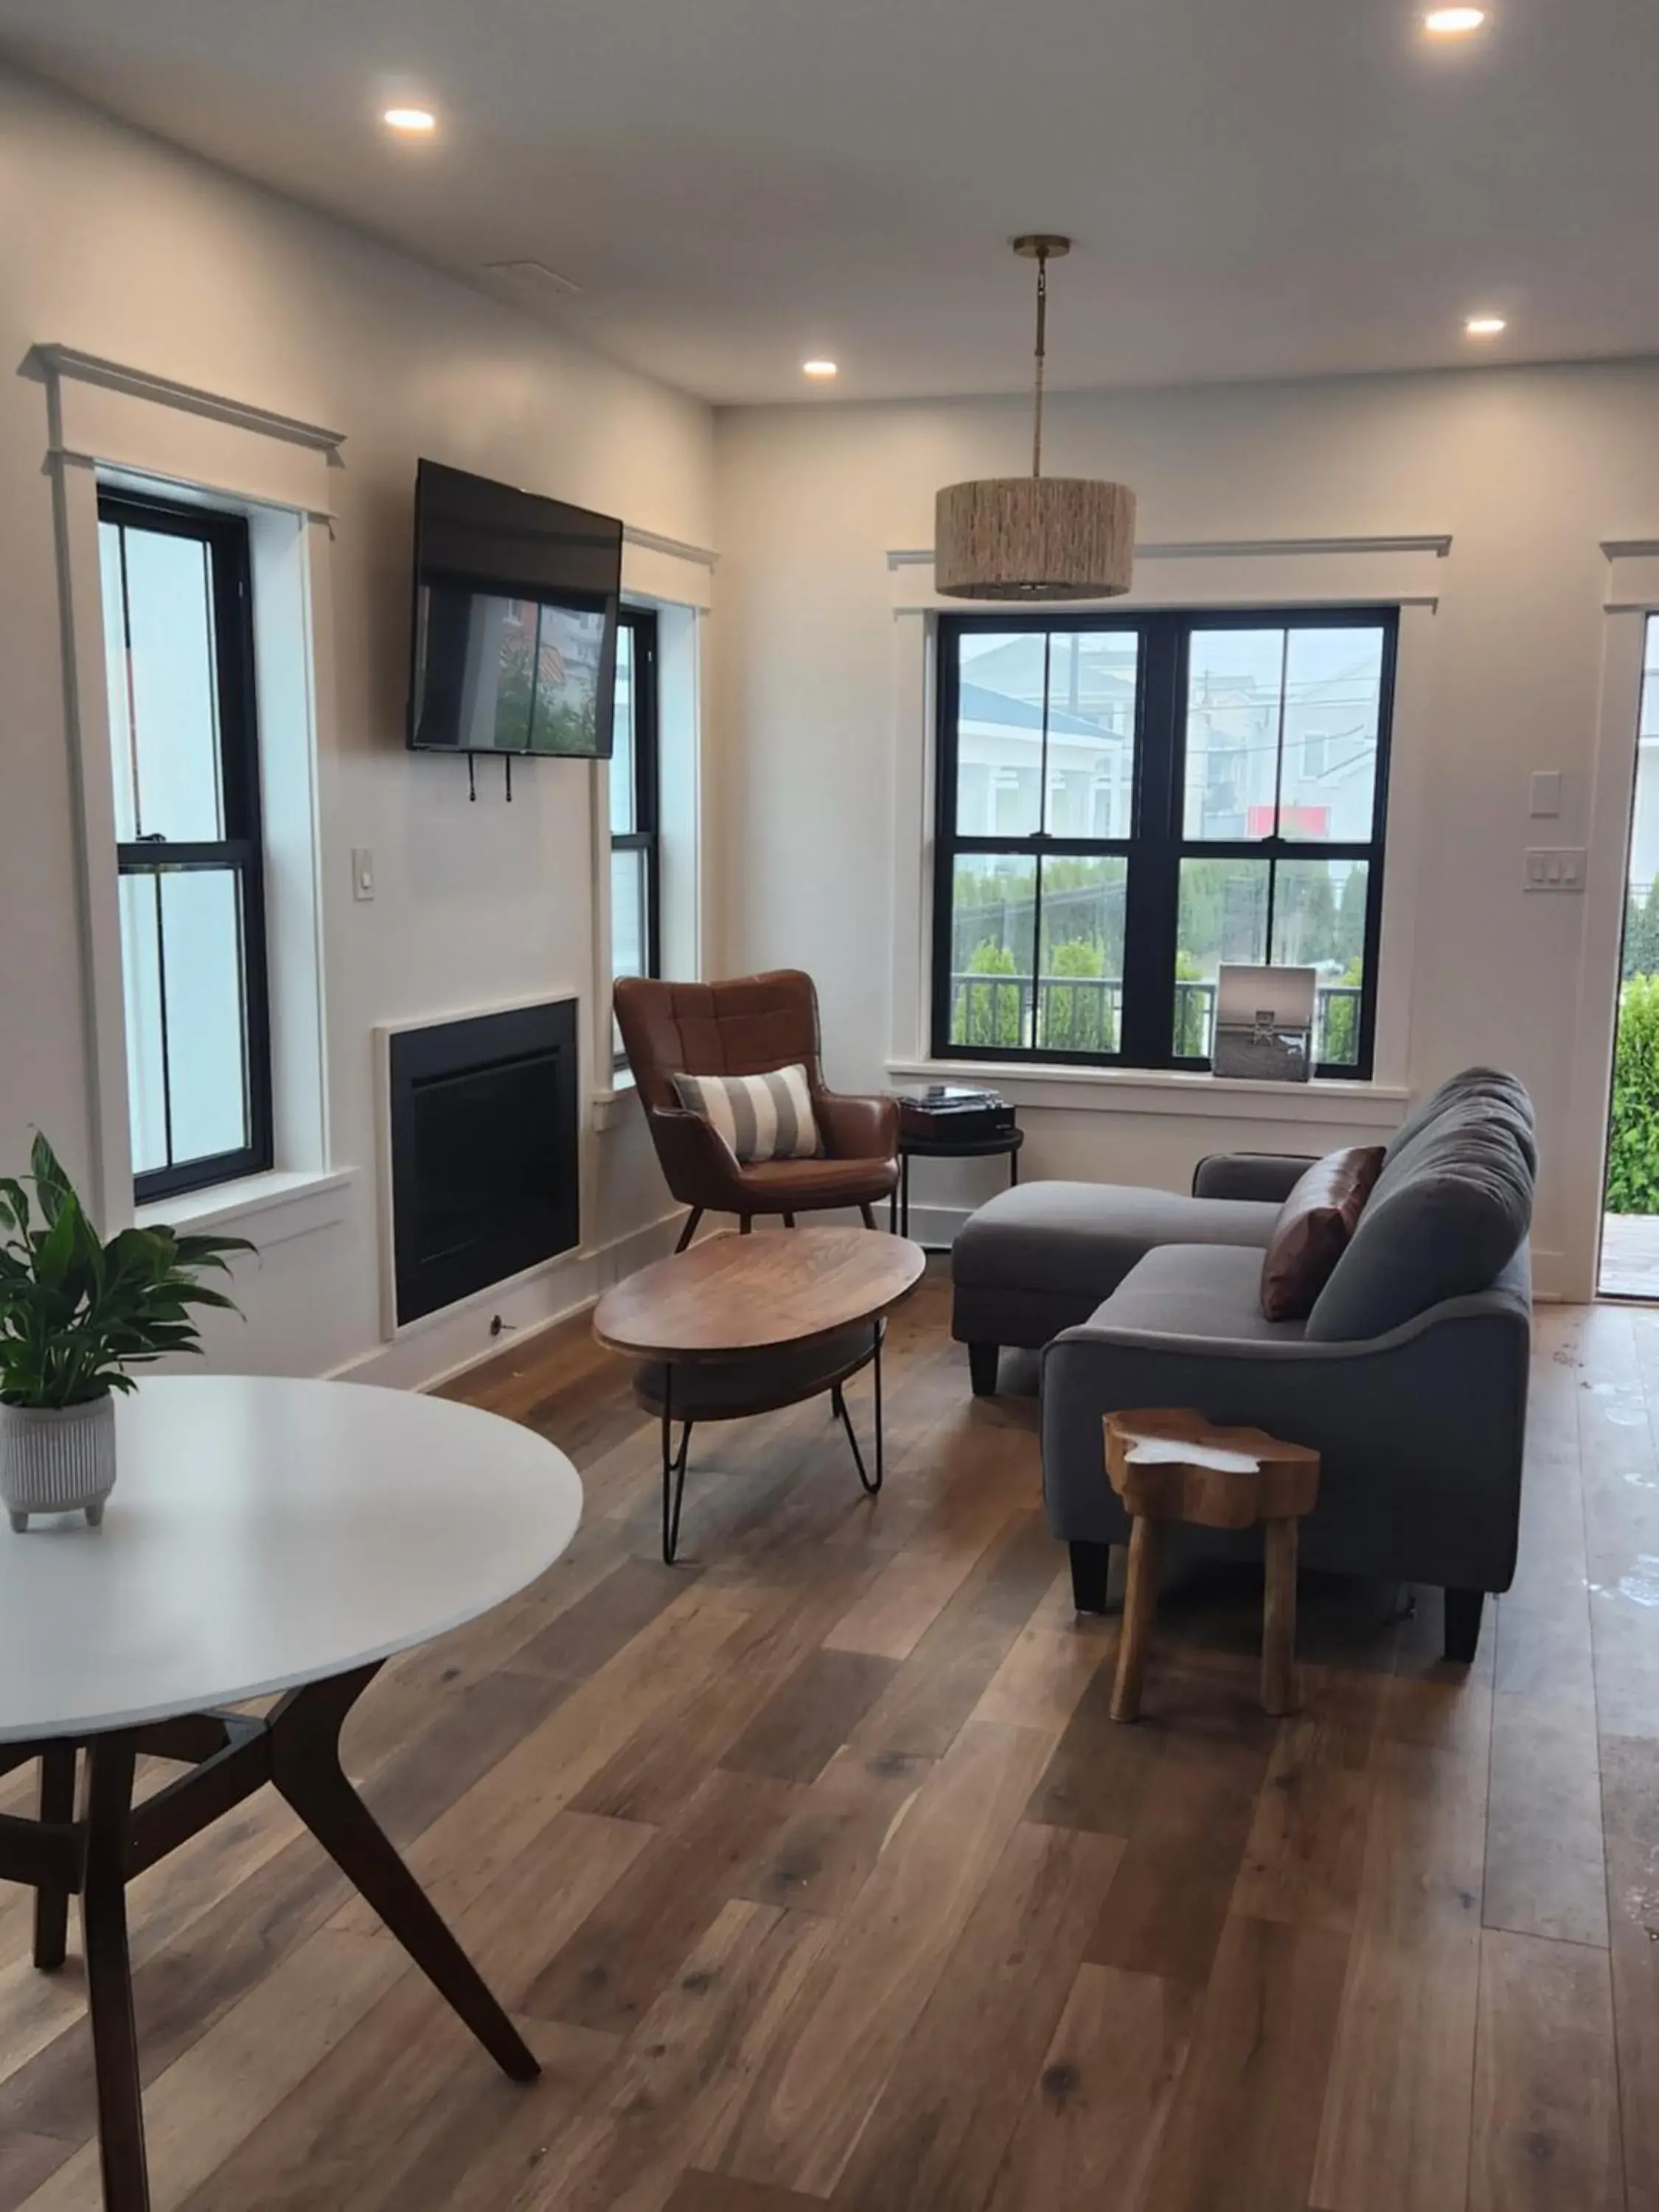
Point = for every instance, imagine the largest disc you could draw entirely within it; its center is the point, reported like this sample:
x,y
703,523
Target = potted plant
x,y
76,1315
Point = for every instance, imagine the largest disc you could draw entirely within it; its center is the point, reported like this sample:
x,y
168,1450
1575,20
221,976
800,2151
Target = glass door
x,y
1630,1239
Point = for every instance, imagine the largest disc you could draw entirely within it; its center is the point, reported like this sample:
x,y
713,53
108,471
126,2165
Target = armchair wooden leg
x,y
869,1213
691,1228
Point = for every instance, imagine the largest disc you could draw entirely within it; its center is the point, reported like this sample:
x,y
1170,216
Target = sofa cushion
x,y
1059,1238
1313,1229
1194,1291
1451,1209
1505,1095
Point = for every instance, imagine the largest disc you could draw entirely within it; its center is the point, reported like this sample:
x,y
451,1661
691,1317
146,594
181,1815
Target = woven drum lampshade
x,y
1034,537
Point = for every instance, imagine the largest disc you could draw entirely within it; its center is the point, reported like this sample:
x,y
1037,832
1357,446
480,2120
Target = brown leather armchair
x,y
747,1027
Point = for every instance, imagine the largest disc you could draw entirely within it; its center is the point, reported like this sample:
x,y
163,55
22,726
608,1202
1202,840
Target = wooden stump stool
x,y
1175,1465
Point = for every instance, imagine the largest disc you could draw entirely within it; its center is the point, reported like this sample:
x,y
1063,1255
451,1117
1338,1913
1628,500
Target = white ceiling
x,y
1257,187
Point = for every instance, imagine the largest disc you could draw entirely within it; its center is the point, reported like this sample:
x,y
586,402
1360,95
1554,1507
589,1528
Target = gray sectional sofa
x,y
1409,1374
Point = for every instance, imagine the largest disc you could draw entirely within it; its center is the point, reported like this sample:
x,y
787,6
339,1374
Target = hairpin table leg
x,y
673,1470
837,1399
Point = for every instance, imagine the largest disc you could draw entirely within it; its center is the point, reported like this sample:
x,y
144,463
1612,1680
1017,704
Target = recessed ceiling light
x,y
413,122
1485,326
1453,23
823,368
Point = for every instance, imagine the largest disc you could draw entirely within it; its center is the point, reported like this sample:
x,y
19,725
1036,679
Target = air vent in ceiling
x,y
533,278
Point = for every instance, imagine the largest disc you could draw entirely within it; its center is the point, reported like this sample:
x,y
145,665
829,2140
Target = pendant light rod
x,y
1028,539
1041,246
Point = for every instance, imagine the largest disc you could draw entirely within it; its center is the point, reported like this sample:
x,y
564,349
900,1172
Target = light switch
x,y
362,872
1555,868
1545,791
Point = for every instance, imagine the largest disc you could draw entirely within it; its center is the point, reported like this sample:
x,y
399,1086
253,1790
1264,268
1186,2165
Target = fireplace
x,y
484,1167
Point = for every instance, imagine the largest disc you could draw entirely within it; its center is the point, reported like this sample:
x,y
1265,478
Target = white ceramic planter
x,y
57,1458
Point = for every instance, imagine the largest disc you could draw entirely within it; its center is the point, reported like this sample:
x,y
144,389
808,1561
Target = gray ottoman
x,y
1041,1257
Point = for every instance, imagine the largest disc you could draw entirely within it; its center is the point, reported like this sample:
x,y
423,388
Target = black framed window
x,y
179,645
1125,803
635,854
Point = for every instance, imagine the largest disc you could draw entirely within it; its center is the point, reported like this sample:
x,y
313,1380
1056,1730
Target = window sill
x,y
1169,1090
613,1106
267,1209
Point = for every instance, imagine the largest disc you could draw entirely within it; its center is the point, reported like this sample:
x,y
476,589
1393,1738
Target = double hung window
x,y
179,644
635,852
1125,804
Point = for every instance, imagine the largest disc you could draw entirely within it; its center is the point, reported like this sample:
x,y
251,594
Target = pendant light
x,y
1036,537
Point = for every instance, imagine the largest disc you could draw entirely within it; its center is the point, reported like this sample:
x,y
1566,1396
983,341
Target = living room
x,y
765,1741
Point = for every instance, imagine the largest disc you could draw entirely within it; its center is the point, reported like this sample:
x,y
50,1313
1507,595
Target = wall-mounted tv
x,y
515,620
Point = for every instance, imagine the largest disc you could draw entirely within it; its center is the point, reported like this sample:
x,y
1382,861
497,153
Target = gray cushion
x,y
1452,1207
1072,1237
1193,1292
1502,1093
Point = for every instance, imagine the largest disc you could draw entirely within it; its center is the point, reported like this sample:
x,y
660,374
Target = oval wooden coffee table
x,y
741,1325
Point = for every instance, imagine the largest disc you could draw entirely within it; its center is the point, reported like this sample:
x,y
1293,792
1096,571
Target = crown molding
x,y
651,541
1243,549
62,364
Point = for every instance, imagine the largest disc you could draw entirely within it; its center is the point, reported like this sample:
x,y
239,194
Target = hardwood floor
x,y
814,1868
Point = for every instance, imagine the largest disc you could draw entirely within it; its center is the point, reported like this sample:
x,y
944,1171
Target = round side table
x,y
965,1147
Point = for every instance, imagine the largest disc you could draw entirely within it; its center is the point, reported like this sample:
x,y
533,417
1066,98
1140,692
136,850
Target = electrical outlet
x,y
1555,868
362,872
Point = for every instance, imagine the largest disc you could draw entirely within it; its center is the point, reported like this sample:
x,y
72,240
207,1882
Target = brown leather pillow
x,y
1313,1229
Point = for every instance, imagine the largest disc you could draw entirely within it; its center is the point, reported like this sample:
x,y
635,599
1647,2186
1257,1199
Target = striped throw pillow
x,y
762,1117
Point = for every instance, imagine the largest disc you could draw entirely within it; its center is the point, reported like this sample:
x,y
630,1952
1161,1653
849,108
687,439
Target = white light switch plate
x,y
1545,791
362,872
1555,868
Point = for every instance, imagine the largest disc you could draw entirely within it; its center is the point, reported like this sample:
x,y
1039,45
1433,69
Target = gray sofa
x,y
1409,1374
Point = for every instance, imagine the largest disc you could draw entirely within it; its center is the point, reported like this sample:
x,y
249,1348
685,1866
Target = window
x,y
635,856
179,645
1125,804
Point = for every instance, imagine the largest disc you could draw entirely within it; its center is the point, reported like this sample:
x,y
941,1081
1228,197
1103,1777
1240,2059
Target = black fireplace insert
x,y
484,1166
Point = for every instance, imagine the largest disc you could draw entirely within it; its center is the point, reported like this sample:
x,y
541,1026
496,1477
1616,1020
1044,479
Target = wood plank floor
x,y
815,1870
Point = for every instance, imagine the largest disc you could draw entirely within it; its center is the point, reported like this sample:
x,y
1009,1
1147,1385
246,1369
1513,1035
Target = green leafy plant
x,y
76,1313
989,1013
1633,1135
1075,1018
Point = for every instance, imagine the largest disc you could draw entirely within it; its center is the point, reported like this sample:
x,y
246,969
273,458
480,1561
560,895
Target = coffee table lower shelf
x,y
744,1384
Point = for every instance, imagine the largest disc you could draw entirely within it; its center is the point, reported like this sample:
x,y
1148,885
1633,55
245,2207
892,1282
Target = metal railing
x,y
1084,1013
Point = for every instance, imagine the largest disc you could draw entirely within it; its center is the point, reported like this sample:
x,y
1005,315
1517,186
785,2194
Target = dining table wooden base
x,y
95,1853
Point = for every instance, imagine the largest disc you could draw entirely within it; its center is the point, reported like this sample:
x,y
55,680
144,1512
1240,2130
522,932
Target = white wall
x,y
1528,470
114,245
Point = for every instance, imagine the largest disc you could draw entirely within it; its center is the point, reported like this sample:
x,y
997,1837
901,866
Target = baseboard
x,y
458,1338
933,1224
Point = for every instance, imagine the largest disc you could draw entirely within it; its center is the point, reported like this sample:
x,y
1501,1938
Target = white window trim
x,y
111,424
674,581
271,1208
1325,572
1632,595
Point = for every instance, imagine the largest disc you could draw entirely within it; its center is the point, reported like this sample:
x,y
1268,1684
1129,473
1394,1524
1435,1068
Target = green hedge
x,y
1633,1138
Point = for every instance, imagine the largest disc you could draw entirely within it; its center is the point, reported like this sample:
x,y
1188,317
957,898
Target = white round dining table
x,y
265,1534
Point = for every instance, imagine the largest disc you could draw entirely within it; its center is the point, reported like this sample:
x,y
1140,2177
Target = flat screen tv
x,y
515,620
